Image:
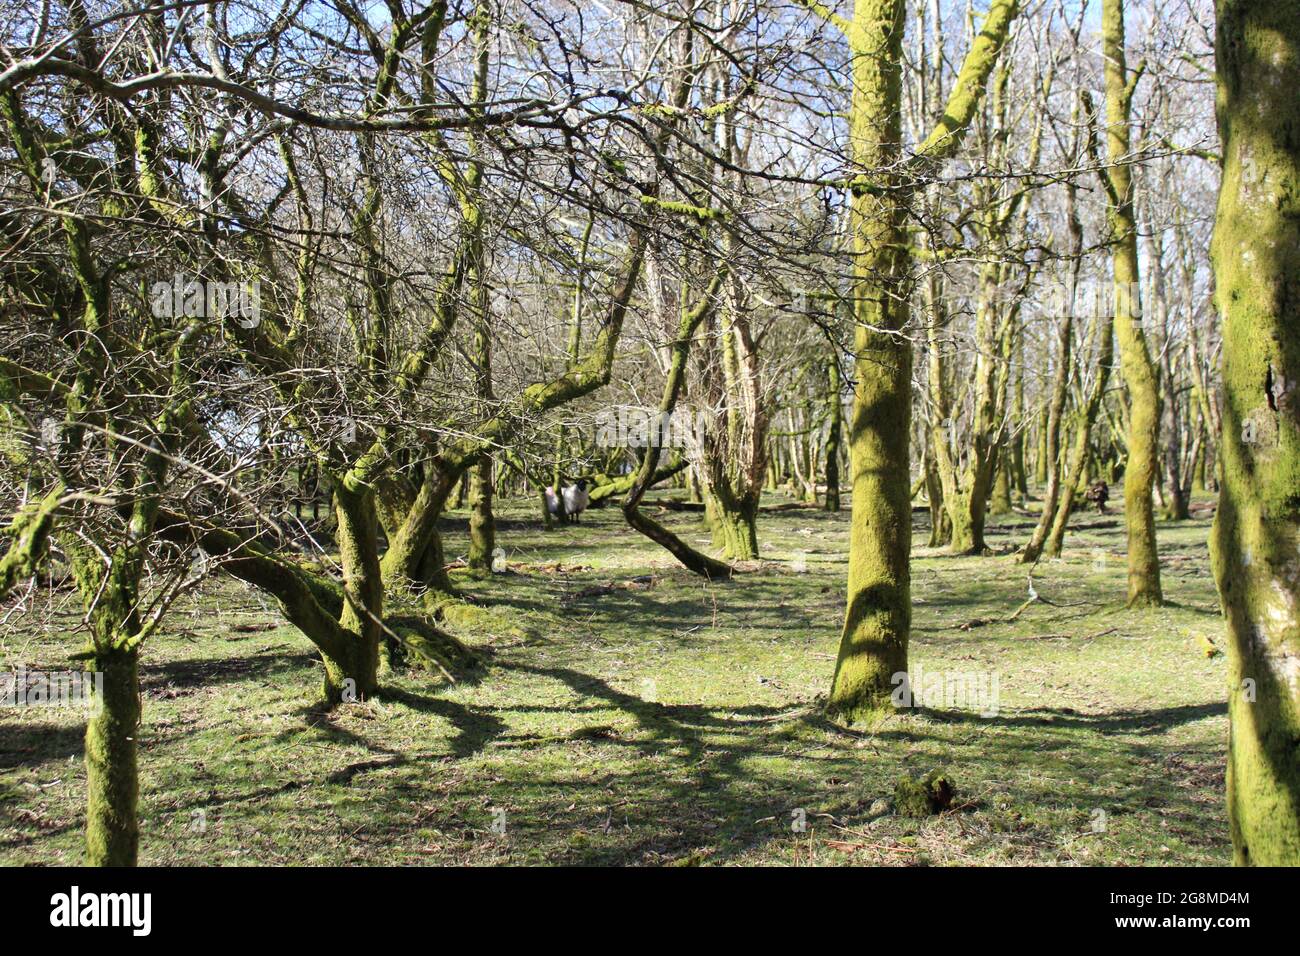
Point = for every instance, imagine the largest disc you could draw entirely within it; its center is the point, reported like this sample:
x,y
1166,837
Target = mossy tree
x,y
873,644
734,443
104,464
1142,467
1256,538
482,525
970,455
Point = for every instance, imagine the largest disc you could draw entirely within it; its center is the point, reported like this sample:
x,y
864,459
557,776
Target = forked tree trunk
x,y
1256,256
1142,468
414,560
877,619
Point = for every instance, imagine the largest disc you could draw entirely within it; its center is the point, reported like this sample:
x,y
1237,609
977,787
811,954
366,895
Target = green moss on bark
x,y
1256,538
923,797
877,620
1143,465
112,787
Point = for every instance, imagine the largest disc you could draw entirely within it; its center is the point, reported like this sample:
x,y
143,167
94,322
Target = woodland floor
x,y
672,723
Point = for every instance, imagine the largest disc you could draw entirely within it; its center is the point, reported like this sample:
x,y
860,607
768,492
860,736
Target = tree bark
x,y
877,620
112,781
835,407
1256,256
482,526
1142,468
352,674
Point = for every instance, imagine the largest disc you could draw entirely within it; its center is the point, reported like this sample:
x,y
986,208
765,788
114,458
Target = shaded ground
x,y
671,723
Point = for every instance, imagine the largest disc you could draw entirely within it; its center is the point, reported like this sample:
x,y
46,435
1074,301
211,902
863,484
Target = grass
x,y
670,722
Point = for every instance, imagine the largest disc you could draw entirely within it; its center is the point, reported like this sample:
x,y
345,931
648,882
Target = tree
x,y
1256,257
1142,468
873,644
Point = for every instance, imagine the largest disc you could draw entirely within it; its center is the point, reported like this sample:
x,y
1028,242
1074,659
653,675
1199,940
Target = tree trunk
x,y
878,616
1041,464
836,410
1142,468
482,526
1256,256
112,783
352,674
939,530
414,560
877,619
1000,500
737,518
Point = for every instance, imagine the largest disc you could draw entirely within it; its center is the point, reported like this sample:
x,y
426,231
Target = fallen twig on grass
x,y
641,582
851,847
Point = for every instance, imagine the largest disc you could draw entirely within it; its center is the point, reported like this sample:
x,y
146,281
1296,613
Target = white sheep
x,y
576,499
571,502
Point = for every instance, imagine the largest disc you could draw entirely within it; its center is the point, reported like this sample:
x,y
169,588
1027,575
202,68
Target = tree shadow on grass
x,y
28,745
1140,722
475,727
204,672
707,758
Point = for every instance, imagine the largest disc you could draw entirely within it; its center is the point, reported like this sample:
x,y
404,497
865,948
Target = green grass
x,y
677,722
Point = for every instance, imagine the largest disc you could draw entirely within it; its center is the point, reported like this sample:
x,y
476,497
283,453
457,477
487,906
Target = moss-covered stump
x,y
923,797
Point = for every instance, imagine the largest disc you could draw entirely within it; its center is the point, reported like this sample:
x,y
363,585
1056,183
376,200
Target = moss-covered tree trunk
x,y
482,523
1142,469
877,619
835,409
737,518
1000,497
873,643
482,526
414,560
1256,538
352,669
112,782
734,444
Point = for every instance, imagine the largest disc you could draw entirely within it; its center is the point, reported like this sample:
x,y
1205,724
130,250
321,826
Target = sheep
x,y
570,503
576,499
552,501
